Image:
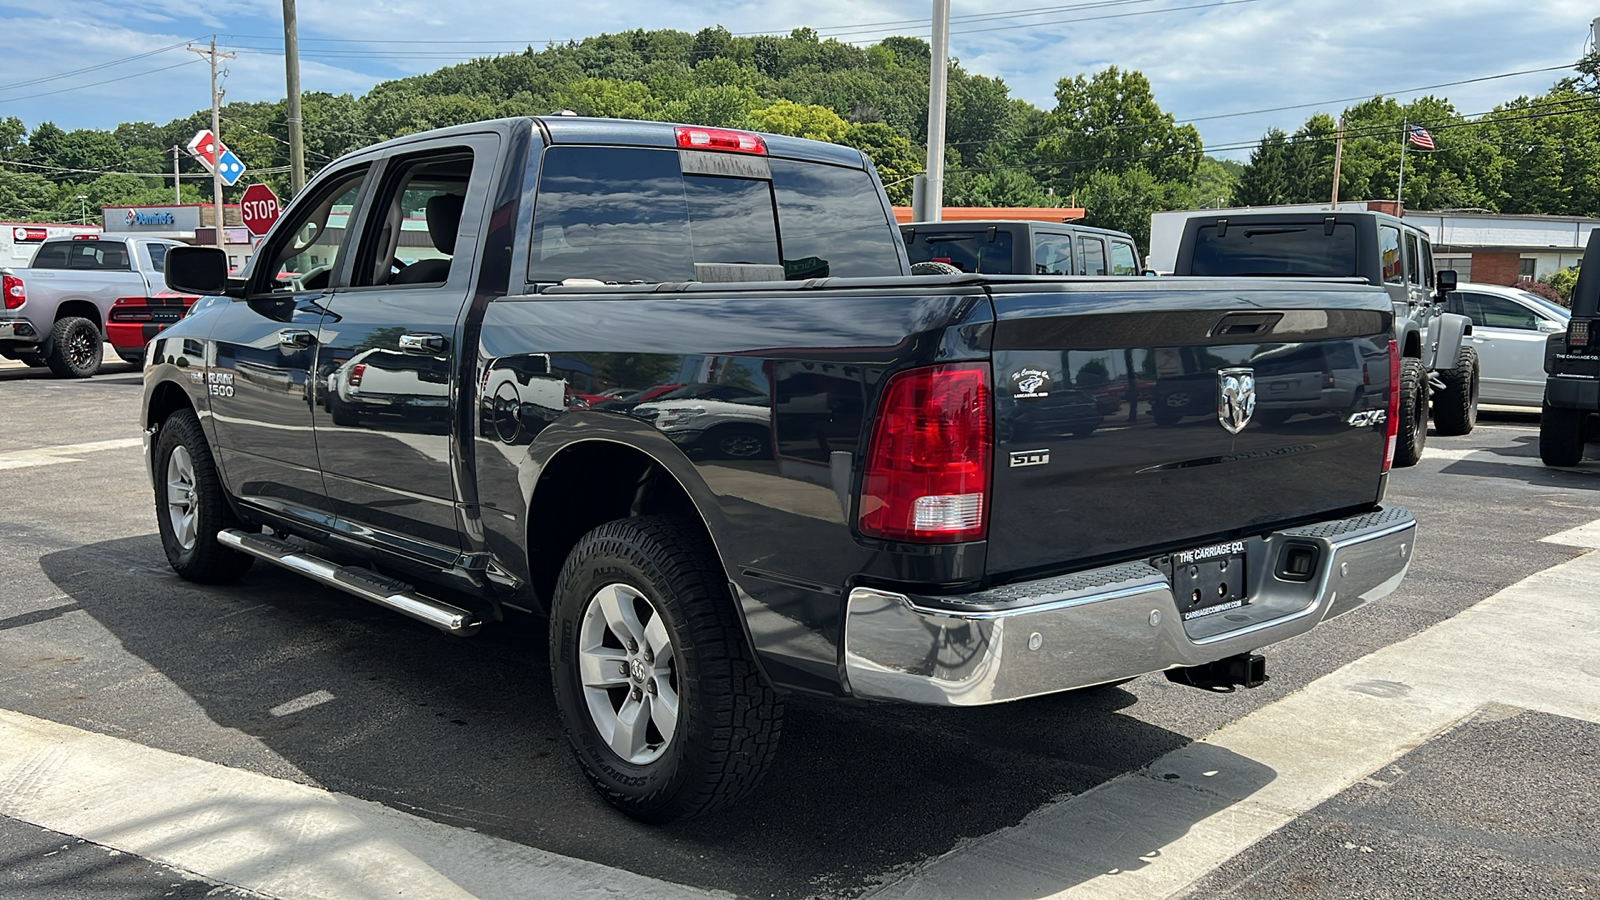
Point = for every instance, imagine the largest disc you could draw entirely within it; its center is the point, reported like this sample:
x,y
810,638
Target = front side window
x,y
307,247
1091,256
1123,260
158,257
1052,254
1427,263
1489,311
1394,268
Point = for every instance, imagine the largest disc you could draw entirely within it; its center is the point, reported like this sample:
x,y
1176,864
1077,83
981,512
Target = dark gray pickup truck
x,y
953,491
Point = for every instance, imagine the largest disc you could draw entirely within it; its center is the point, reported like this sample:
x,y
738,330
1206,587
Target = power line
x,y
80,87
94,68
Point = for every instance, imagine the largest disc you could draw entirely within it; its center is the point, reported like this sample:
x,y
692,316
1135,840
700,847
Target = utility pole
x,y
1400,189
1338,157
177,195
216,133
937,73
291,69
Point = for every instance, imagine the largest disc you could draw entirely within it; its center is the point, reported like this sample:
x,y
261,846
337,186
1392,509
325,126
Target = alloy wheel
x,y
183,508
629,672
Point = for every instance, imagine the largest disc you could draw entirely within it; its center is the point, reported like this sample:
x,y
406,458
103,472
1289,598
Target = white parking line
x,y
1151,833
300,704
1489,456
62,453
272,836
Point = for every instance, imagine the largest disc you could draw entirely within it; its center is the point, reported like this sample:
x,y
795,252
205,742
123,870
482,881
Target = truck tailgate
x,y
1138,417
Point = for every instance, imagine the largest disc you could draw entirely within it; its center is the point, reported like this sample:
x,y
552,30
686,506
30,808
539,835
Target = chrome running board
x,y
363,583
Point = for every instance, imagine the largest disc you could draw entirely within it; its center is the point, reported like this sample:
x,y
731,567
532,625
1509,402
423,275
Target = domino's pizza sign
x,y
150,217
216,157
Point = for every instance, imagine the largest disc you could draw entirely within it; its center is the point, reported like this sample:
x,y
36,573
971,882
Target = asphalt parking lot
x,y
283,678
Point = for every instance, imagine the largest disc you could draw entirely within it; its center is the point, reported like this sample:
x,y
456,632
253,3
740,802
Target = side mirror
x,y
1446,281
1550,326
197,270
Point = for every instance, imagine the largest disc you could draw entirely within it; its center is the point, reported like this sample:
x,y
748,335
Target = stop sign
x,y
258,208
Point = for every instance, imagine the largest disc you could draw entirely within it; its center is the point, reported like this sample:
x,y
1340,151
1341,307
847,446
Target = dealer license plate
x,y
1209,580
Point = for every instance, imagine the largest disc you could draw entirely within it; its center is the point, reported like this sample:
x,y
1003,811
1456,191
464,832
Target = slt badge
x,y
1236,397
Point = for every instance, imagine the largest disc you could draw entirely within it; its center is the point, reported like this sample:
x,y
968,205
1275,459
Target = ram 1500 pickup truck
x,y
889,535
57,311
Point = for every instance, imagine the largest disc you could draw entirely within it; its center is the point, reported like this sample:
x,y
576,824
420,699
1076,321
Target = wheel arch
x,y
82,309
589,481
1411,341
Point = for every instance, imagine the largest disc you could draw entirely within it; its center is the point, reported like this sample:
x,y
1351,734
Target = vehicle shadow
x,y
19,372
465,732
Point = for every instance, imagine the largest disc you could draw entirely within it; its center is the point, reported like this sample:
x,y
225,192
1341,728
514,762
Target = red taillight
x,y
1393,420
357,371
693,138
927,469
11,288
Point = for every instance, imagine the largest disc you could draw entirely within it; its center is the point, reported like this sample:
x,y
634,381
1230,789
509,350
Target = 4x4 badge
x,y
1236,397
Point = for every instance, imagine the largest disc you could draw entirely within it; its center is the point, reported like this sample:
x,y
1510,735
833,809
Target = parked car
x,y
726,420
1572,363
1009,247
904,543
1438,366
55,311
1510,328
133,321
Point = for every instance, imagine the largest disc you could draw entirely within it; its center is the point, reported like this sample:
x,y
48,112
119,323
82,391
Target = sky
x,y
1206,59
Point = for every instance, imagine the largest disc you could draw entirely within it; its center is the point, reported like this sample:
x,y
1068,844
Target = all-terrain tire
x,y
75,348
1561,435
204,559
1413,431
728,717
1455,409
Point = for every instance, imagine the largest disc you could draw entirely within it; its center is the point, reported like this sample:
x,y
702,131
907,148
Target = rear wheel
x,y
1561,435
75,348
1413,431
1455,409
657,687
191,506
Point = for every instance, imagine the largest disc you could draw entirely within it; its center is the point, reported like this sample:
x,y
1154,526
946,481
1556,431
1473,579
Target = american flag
x,y
1419,137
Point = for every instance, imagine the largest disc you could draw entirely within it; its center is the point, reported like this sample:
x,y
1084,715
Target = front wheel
x,y
1412,435
657,687
190,505
1561,436
1455,409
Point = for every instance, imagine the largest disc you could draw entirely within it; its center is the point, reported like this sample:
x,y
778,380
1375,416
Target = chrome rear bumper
x,y
1110,623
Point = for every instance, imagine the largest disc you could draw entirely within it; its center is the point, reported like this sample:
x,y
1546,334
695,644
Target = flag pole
x,y
1400,189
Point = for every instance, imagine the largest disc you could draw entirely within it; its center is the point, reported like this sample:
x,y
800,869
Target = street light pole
x,y
291,70
938,71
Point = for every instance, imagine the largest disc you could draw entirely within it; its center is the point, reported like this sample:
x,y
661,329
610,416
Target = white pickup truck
x,y
54,312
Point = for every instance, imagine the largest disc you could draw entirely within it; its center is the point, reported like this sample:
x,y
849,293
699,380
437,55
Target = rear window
x,y
1278,249
969,251
99,255
619,214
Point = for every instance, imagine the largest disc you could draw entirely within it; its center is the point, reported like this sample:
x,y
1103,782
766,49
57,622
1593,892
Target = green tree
x,y
818,123
895,158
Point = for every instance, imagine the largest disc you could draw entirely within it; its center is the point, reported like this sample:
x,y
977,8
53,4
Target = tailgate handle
x,y
1241,324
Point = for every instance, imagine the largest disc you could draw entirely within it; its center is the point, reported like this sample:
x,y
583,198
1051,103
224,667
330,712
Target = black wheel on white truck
x,y
74,348
657,686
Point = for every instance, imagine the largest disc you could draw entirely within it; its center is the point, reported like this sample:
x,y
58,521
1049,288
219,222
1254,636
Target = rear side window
x,y
1394,269
105,256
1489,311
1052,254
1123,260
969,251
1091,255
620,214
1275,250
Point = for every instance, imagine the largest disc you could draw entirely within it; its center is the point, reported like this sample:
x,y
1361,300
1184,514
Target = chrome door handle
x,y
424,344
295,339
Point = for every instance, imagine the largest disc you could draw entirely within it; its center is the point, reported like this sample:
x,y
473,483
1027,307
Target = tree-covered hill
x,y
1106,144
